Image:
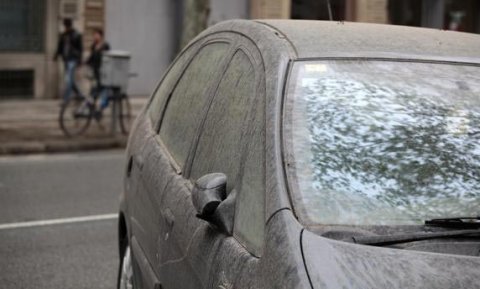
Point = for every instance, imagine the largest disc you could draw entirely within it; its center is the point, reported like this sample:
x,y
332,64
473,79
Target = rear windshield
x,y
383,143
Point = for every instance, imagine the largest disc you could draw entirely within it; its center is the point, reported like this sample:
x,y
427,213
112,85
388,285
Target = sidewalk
x,y
31,126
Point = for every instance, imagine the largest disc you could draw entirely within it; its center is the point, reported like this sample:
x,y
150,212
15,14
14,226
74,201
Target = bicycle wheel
x,y
75,116
125,114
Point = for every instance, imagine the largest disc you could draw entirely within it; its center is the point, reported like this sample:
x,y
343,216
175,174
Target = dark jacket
x,y
95,58
70,46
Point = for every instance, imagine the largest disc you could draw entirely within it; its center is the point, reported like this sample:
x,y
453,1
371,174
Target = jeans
x,y
100,90
104,98
70,85
102,93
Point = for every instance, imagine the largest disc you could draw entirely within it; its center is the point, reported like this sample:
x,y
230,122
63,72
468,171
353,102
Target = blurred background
x,y
154,30
59,195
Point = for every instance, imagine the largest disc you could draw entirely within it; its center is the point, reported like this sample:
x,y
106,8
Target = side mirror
x,y
211,202
209,191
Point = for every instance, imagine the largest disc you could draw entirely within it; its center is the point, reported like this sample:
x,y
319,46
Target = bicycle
x,y
77,112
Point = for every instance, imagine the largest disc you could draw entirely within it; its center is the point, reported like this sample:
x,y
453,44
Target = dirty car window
x,y
220,145
384,143
168,82
232,142
187,103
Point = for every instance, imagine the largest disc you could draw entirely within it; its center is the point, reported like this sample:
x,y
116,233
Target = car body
x,y
211,198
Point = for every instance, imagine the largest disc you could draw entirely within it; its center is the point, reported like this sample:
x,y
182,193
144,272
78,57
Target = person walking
x,y
70,49
94,61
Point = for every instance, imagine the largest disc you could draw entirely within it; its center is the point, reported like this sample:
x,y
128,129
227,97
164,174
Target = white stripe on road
x,y
57,221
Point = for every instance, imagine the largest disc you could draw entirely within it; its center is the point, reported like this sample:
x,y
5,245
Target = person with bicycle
x,y
77,113
94,61
70,49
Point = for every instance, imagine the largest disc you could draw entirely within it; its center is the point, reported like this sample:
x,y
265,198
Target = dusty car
x,y
308,154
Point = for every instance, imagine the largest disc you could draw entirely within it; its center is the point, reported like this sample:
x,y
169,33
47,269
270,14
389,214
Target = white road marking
x,y
57,221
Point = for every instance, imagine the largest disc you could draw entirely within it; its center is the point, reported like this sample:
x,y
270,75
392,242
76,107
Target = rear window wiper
x,y
385,240
457,222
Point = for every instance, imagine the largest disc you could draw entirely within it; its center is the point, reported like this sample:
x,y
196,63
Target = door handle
x,y
169,218
138,159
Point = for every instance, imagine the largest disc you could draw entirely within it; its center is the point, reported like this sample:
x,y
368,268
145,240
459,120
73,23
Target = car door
x,y
231,141
181,100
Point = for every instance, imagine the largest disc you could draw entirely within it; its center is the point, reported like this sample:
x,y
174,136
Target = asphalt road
x,y
57,220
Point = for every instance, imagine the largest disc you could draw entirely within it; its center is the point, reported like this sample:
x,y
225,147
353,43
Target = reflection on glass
x,y
384,143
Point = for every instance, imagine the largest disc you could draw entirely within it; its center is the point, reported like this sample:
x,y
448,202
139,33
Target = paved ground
x,y
72,253
31,126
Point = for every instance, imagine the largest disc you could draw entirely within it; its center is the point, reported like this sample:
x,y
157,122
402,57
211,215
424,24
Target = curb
x,y
34,147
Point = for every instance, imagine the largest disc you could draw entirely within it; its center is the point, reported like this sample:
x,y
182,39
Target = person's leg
x,y
69,79
96,88
74,82
104,98
102,92
103,95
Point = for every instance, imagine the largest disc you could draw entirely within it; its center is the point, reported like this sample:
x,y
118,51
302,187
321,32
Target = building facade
x,y
151,31
459,15
29,31
28,34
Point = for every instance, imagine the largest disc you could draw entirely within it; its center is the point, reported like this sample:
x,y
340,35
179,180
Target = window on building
x,y
22,24
405,12
16,84
462,15
457,15
318,9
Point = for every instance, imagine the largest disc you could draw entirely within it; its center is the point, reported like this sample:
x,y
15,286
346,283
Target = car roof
x,y
313,39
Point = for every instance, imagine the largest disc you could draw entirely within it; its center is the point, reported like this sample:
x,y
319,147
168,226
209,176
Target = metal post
x,y
330,14
114,104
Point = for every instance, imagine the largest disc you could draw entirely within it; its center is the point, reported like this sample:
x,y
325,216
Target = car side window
x,y
186,105
166,86
226,146
249,223
220,145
